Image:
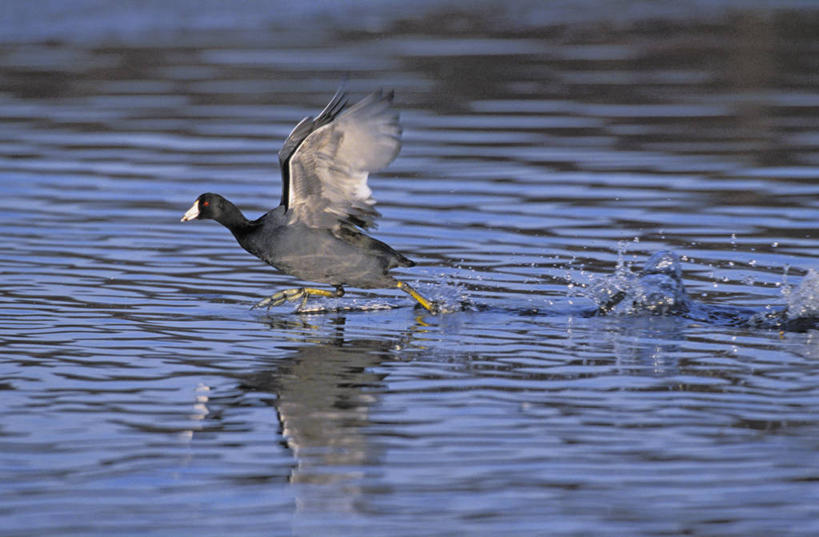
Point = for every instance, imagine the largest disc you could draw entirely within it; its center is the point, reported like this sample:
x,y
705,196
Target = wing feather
x,y
300,132
327,169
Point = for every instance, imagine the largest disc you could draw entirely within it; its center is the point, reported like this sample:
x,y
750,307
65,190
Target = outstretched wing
x,y
326,161
301,131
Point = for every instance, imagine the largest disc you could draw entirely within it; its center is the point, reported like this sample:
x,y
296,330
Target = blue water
x,y
548,153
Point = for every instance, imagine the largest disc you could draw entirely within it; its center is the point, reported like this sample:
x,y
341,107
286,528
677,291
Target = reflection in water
x,y
324,389
647,344
639,345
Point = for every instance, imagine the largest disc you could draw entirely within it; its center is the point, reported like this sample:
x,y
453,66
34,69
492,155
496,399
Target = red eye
x,y
205,203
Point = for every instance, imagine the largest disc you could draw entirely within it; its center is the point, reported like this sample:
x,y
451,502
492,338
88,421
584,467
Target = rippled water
x,y
141,396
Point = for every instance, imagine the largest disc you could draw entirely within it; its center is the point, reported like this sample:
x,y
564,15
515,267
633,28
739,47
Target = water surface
x,y
141,396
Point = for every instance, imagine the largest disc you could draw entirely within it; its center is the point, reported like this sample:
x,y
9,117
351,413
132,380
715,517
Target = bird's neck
x,y
233,219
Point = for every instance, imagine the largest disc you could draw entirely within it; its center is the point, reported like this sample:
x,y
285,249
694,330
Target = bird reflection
x,y
324,391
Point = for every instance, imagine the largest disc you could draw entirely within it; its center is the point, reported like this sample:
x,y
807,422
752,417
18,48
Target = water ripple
x,y
142,396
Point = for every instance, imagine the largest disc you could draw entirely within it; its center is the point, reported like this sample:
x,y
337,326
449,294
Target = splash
x,y
448,293
801,310
657,289
803,302
333,305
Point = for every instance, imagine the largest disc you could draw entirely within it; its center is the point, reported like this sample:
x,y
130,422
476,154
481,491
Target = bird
x,y
318,231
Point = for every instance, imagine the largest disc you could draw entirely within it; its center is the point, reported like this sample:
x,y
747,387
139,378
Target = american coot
x,y
316,233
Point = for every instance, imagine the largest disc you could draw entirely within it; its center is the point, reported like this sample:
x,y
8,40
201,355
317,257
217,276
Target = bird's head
x,y
206,206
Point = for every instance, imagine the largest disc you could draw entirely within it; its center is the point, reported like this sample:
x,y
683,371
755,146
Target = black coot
x,y
316,233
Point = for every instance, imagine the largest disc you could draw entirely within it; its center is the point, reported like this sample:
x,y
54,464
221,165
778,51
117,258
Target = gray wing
x,y
302,131
327,172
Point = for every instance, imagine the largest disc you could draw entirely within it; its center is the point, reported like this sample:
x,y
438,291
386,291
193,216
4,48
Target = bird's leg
x,y
430,306
291,295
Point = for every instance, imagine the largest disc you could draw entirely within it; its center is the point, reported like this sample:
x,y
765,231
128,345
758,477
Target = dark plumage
x,y
316,233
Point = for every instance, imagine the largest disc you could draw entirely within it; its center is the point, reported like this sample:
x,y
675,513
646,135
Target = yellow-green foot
x,y
291,295
429,305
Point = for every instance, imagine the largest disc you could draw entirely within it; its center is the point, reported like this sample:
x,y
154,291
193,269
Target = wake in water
x,y
658,289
